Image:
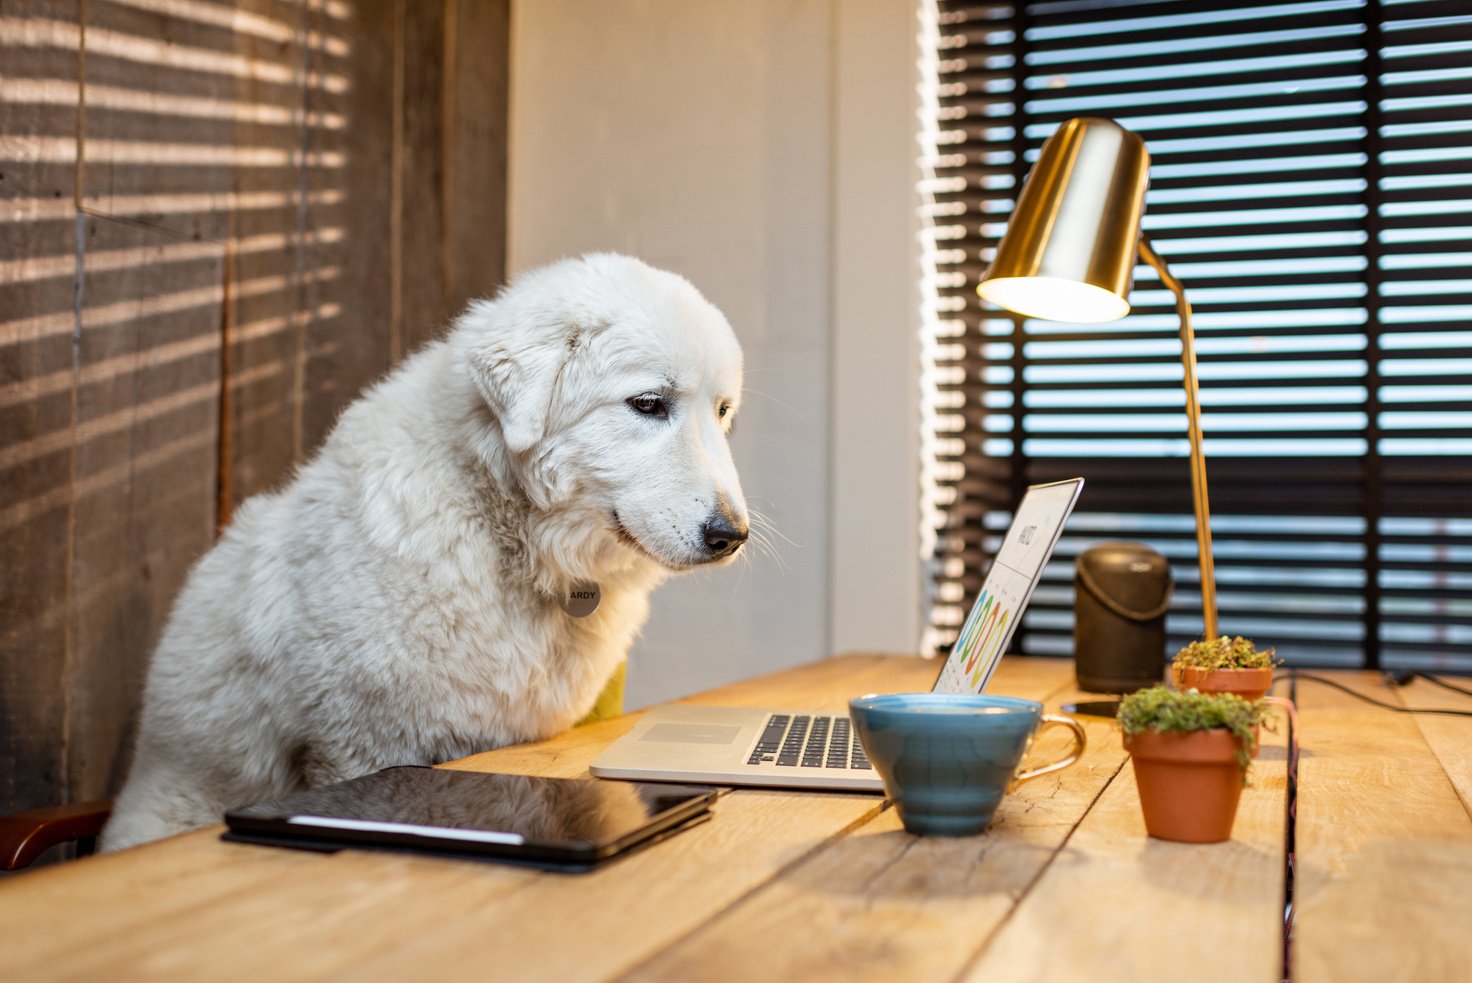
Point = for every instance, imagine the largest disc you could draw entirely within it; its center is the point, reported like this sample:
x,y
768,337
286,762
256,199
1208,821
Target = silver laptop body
x,y
816,748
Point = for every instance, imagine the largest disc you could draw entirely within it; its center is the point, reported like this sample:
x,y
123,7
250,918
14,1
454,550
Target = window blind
x,y
1310,186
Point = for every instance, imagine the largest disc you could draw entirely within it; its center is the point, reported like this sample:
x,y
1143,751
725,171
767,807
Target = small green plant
x,y
1170,711
1225,653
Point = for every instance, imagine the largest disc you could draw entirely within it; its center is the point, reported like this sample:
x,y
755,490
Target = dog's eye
x,y
651,405
723,411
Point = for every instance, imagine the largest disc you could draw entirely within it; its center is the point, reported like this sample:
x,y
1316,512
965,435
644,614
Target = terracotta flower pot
x,y
1189,783
1250,684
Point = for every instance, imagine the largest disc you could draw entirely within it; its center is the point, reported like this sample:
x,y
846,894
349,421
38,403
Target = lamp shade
x,y
1071,245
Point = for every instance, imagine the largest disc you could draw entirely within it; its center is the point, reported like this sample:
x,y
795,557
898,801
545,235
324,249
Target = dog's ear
x,y
516,377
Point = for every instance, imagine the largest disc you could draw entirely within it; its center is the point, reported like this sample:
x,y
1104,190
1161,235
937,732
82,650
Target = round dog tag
x,y
581,599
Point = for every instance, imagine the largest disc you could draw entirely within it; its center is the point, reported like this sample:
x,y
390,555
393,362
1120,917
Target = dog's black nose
x,y
722,536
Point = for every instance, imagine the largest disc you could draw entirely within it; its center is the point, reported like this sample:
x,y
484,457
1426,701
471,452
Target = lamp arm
x,y
1193,418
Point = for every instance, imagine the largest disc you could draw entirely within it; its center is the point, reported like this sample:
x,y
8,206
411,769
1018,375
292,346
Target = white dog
x,y
421,589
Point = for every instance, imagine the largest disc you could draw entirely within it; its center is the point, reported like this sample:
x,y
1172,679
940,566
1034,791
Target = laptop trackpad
x,y
691,733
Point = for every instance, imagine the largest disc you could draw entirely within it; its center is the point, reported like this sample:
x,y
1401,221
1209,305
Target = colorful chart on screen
x,y
980,642
983,637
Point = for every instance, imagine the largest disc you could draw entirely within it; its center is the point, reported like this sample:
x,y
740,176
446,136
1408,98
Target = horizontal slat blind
x,y
1309,185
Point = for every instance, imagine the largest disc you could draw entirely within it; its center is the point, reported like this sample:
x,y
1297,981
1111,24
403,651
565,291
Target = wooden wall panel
x,y
148,385
159,119
423,305
275,200
478,96
452,152
350,211
267,322
38,120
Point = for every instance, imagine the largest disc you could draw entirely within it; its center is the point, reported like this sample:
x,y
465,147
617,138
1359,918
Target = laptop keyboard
x,y
808,742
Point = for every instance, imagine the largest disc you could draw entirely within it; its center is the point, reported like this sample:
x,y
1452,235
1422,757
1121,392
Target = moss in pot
x,y
1191,752
1225,665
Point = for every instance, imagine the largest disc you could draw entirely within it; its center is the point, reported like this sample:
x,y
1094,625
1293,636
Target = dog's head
x,y
614,386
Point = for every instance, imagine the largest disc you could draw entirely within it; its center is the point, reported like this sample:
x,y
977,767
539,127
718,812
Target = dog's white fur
x,y
398,601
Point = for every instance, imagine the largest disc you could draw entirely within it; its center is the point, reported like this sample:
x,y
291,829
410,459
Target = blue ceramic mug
x,y
947,758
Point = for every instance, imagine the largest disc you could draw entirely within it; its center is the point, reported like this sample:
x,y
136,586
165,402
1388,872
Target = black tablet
x,y
561,823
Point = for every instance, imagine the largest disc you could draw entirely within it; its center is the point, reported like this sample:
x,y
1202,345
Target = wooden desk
x,y
782,885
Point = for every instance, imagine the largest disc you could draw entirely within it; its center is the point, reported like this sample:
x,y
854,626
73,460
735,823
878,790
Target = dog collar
x,y
581,599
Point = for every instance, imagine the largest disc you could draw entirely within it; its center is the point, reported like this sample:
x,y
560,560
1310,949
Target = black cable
x,y
1440,682
1296,675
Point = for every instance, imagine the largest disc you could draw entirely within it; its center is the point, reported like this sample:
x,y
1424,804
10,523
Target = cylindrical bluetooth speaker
x,y
1121,593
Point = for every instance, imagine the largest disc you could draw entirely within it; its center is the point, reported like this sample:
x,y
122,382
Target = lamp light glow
x,y
1054,298
1069,254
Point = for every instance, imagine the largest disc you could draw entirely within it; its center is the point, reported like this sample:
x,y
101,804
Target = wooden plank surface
x,y
667,892
827,883
299,924
1384,846
658,895
144,904
52,915
1118,903
1450,738
881,904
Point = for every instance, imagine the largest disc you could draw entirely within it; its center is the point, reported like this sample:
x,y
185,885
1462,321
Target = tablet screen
x,y
409,804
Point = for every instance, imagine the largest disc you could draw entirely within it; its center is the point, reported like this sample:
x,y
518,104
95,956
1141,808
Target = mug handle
x,y
1080,741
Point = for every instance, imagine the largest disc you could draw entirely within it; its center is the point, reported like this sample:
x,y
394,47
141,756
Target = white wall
x,y
876,570
762,149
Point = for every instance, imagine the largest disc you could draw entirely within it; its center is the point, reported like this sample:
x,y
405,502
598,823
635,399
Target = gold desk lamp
x,y
1069,255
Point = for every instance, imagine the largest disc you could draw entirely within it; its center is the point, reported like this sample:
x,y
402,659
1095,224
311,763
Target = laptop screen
x,y
1015,571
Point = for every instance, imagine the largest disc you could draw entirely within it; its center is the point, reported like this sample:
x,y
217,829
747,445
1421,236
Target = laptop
x,y
818,749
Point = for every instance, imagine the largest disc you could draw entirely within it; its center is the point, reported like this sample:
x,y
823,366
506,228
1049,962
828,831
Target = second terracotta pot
x,y
1189,783
1250,684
